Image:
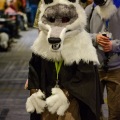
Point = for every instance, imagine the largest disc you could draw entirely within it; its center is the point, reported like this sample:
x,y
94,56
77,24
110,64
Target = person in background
x,y
21,5
33,4
85,3
104,27
37,15
10,10
89,2
2,5
11,13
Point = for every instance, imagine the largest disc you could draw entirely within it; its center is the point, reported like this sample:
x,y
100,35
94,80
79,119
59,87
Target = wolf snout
x,y
53,40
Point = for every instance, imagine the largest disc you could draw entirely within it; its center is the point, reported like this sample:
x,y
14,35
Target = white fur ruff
x,y
76,47
107,10
57,102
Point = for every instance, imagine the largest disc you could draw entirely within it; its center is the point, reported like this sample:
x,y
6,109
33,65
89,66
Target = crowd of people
x,y
15,15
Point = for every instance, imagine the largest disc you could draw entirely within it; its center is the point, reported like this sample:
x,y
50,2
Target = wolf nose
x,y
53,40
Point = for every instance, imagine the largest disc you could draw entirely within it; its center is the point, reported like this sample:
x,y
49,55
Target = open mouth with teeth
x,y
56,46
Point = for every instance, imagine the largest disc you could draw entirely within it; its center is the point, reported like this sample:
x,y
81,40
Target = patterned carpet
x,y
13,74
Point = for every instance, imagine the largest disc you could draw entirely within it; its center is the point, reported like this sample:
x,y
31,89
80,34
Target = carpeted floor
x,y
13,74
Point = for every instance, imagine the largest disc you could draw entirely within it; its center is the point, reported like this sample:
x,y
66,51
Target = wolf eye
x,y
51,19
65,19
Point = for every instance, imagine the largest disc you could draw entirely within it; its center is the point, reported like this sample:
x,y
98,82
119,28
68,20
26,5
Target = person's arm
x,y
116,45
35,104
107,44
33,75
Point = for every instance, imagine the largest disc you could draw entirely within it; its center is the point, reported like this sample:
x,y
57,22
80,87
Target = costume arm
x,y
84,80
33,75
85,86
35,103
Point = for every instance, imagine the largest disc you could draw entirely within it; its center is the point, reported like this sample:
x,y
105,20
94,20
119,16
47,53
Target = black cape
x,y
80,80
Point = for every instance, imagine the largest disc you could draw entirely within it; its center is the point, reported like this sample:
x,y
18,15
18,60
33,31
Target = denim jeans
x,y
33,12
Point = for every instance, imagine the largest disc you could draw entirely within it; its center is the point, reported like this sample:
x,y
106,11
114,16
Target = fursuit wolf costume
x,y
63,66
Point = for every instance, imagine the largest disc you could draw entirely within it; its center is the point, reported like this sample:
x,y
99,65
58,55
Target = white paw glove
x,y
57,102
36,102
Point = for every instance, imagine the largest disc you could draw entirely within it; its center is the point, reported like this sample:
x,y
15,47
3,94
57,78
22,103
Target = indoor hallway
x,y
13,74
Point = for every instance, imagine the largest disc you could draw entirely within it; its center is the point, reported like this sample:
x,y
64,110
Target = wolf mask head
x,y
62,35
107,8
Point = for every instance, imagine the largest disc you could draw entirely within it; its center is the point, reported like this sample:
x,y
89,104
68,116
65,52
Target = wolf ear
x,y
48,1
72,0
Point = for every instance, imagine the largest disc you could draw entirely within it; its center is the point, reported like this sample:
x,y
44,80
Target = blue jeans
x,y
33,13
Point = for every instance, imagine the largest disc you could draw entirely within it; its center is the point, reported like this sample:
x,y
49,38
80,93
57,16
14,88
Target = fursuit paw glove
x,y
57,102
36,102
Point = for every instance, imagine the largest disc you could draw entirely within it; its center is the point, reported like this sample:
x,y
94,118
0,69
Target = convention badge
x,y
57,85
58,67
109,35
99,46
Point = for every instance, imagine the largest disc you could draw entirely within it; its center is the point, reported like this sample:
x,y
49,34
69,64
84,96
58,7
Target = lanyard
x,y
58,66
107,24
